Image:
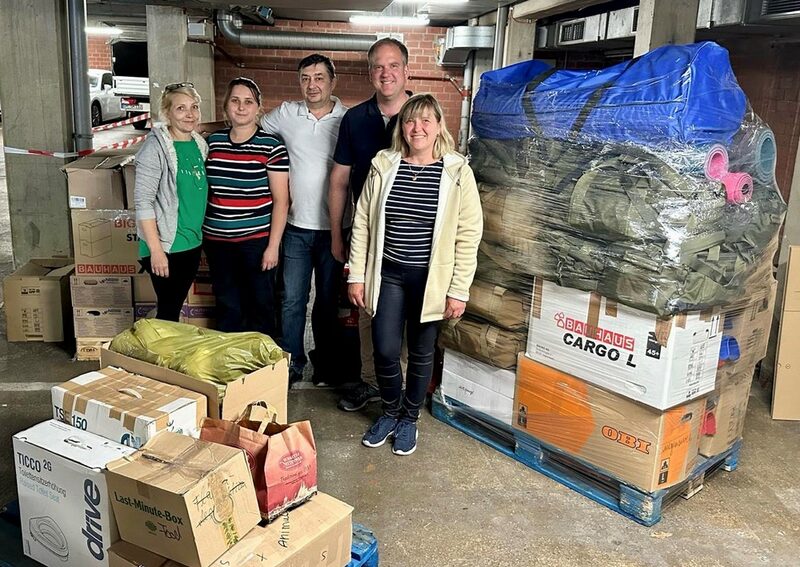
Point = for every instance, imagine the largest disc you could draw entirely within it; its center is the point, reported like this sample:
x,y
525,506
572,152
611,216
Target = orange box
x,y
643,446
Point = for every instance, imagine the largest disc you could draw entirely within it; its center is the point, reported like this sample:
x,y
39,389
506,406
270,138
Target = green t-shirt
x,y
192,198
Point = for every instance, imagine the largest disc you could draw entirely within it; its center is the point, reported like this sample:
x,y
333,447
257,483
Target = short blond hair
x,y
414,107
167,98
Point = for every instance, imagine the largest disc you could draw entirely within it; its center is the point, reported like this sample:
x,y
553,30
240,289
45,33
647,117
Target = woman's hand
x,y
454,308
270,258
159,263
355,293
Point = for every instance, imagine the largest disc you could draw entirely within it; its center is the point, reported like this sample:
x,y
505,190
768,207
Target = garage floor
x,y
456,502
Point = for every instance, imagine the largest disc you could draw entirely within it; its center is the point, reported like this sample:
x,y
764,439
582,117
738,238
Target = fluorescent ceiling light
x,y
419,20
102,30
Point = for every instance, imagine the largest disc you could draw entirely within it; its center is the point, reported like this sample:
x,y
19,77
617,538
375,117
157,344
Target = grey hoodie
x,y
156,191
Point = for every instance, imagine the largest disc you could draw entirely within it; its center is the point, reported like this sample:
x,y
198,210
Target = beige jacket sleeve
x,y
362,226
468,237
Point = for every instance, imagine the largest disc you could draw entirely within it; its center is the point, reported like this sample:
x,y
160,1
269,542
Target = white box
x,y
127,408
658,362
63,499
478,385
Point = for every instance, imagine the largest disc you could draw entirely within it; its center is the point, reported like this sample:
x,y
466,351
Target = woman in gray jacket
x,y
170,194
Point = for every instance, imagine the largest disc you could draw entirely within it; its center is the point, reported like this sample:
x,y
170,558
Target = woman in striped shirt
x,y
413,255
248,202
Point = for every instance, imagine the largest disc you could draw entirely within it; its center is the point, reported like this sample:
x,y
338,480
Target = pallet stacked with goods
x,y
625,287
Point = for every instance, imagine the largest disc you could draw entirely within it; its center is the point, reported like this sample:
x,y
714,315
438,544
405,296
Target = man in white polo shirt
x,y
309,129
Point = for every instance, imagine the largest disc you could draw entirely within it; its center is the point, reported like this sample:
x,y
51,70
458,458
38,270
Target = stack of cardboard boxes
x,y
109,292
637,396
118,477
106,249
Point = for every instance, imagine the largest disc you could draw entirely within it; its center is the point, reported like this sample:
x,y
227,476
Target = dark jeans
x,y
400,303
245,294
171,292
305,250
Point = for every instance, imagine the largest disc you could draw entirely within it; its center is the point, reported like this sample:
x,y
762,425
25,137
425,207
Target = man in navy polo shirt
x,y
365,130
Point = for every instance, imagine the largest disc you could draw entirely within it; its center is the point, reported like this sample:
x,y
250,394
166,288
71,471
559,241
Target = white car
x,y
105,105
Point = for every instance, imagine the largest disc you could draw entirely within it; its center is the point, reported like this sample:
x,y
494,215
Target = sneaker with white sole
x,y
405,438
380,431
359,396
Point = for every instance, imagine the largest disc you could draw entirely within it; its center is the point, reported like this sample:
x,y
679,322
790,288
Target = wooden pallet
x,y
575,473
365,548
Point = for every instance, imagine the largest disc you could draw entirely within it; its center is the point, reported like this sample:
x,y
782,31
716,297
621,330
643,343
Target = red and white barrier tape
x,y
65,155
137,118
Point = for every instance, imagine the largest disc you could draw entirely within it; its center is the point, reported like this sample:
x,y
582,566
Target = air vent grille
x,y
572,31
780,7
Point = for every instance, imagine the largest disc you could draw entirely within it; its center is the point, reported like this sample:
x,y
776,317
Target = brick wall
x,y
99,53
275,71
770,76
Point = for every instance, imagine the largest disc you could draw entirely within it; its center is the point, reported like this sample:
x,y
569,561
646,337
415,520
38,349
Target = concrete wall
x,y
277,75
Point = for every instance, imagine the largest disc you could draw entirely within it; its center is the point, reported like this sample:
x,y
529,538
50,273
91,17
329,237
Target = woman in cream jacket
x,y
413,254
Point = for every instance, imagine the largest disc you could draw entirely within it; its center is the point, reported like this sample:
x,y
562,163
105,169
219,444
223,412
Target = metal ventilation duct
x,y
292,40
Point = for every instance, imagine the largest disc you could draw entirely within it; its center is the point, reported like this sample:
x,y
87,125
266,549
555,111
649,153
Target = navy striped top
x,y
411,214
239,200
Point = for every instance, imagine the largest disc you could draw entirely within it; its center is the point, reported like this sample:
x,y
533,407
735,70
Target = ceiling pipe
x,y
79,68
292,40
500,37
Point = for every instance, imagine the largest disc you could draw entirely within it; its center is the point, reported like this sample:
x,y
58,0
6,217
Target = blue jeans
x,y
305,250
245,293
400,303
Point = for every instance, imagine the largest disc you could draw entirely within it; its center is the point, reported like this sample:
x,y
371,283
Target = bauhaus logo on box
x,y
607,336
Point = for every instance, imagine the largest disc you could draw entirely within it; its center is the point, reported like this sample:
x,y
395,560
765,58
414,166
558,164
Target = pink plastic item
x,y
716,163
738,187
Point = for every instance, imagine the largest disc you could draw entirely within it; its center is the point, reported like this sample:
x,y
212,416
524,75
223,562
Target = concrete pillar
x,y
167,50
201,73
35,90
520,39
665,22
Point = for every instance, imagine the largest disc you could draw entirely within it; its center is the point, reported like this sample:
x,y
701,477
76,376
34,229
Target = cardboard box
x,y
127,408
101,321
64,506
143,291
108,291
144,311
725,412
642,446
97,182
483,387
318,533
183,498
270,384
88,348
37,301
659,362
786,386
199,315
105,242
124,554
201,292
749,324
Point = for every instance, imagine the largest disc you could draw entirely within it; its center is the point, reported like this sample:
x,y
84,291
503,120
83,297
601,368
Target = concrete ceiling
x,y
132,12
